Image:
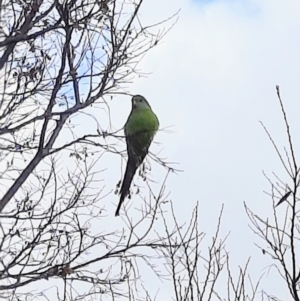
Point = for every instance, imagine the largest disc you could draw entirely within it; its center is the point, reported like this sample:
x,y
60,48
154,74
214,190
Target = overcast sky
x,y
213,79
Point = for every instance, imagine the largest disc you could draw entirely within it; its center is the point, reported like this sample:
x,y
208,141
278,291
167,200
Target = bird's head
x,y
139,102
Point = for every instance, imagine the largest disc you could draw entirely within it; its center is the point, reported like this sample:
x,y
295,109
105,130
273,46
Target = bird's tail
x,y
129,173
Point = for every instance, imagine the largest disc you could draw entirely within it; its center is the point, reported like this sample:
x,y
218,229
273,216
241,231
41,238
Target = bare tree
x,y
59,59
280,231
60,62
203,272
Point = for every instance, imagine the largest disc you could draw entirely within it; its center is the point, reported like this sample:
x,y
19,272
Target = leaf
x,y
284,198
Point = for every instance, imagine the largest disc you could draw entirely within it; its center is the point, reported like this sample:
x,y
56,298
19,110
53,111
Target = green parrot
x,y
140,128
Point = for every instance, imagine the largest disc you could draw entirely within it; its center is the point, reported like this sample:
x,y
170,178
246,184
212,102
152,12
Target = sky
x,y
211,81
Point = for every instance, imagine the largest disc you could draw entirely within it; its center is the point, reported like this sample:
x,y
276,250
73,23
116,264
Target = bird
x,y
140,129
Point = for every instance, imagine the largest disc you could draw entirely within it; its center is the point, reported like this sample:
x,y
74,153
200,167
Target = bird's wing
x,y
138,146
